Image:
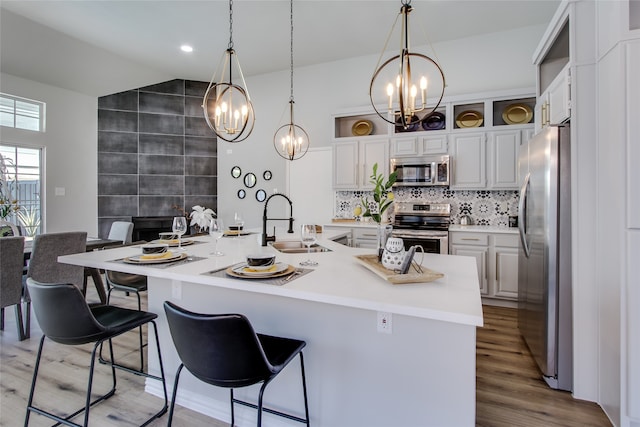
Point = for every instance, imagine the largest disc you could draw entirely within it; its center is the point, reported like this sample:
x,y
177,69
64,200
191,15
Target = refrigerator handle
x,y
522,220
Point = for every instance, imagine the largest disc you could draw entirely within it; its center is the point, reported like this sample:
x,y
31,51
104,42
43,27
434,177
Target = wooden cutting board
x,y
371,262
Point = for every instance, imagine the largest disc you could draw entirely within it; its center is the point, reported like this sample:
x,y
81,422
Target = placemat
x,y
187,260
278,281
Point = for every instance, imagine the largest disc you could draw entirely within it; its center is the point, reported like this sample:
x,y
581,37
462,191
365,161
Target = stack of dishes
x,y
174,242
155,254
245,271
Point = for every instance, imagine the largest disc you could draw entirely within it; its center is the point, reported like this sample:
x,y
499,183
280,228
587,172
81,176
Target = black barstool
x,y
66,318
224,350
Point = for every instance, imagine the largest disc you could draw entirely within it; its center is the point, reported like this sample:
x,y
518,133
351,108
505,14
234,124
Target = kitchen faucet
x,y
266,238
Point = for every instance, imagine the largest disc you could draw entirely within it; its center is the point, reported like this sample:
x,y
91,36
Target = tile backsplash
x,y
484,207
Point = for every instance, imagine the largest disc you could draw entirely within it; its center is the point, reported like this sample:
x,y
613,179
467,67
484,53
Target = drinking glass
x,y
179,228
308,237
216,230
238,219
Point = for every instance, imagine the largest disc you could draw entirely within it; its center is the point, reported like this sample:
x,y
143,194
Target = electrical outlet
x,y
385,324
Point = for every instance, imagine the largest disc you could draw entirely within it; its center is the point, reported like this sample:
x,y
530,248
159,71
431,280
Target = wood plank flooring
x,y
509,389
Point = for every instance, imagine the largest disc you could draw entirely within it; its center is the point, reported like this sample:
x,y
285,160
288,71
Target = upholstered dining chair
x,y
43,264
223,350
8,229
11,287
65,318
121,230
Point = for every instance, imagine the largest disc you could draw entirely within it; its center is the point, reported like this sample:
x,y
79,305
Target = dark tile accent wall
x,y
155,151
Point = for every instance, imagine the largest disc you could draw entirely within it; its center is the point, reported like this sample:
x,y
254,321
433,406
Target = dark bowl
x,y
154,248
260,260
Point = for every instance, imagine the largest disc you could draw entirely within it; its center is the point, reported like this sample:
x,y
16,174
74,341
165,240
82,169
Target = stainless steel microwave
x,y
421,171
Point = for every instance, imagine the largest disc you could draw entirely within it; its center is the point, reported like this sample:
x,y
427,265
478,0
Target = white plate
x,y
138,259
244,270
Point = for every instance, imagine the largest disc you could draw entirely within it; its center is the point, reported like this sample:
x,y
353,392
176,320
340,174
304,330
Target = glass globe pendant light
x,y
227,105
290,140
400,87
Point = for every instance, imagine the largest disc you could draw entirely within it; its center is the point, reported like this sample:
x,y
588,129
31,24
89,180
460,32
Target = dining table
x,y
93,244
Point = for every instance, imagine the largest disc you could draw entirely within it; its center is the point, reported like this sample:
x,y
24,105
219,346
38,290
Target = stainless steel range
x,y
423,224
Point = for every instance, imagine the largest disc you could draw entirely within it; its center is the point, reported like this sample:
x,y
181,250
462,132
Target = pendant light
x,y
400,86
290,140
227,105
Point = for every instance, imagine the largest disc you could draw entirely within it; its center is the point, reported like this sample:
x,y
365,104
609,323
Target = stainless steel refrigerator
x,y
544,259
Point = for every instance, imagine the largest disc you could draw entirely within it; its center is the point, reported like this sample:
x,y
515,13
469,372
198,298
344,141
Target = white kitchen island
x,y
421,374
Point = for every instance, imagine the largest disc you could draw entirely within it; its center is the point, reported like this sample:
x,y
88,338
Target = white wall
x,y
483,63
70,151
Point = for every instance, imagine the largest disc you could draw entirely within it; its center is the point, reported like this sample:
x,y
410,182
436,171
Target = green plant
x,y
382,196
7,204
30,219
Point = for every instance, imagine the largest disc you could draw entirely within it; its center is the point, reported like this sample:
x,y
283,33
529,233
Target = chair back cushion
x,y
11,264
44,266
8,229
219,349
63,313
121,230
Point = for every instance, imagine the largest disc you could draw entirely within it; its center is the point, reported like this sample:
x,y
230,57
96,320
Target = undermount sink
x,y
295,247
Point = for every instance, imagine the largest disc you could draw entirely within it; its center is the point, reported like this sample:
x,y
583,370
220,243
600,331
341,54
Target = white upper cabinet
x,y
418,146
353,162
468,152
553,105
503,159
482,133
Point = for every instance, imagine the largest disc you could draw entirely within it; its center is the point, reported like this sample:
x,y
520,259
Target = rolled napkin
x,y
164,255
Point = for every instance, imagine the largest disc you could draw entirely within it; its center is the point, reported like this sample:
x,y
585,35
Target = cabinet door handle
x,y
544,114
469,238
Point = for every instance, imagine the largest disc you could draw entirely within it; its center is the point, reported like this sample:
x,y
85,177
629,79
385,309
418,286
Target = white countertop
x,y
338,279
483,229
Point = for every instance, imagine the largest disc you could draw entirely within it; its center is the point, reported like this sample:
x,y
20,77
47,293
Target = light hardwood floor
x,y
510,391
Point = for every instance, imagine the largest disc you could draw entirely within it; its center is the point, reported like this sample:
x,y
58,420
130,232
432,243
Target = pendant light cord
x,y
230,24
291,18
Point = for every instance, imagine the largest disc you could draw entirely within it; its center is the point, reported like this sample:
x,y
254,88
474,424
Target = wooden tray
x,y
371,262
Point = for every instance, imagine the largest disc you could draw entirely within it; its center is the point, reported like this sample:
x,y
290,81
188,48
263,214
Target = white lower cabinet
x,y
496,255
359,237
365,238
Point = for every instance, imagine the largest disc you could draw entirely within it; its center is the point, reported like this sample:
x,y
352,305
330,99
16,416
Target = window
x,y
21,113
21,170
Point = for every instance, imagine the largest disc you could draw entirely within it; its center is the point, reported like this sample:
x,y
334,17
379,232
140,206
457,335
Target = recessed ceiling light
x,y
186,48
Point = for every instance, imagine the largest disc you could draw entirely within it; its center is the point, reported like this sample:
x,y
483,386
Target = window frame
x,y
16,113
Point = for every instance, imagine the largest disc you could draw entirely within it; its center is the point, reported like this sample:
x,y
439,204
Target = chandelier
x,y
290,140
227,105
400,87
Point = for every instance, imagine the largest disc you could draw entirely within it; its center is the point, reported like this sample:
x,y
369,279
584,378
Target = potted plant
x,y
382,200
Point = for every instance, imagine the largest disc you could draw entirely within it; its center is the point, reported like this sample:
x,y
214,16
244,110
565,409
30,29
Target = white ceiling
x,y
143,37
